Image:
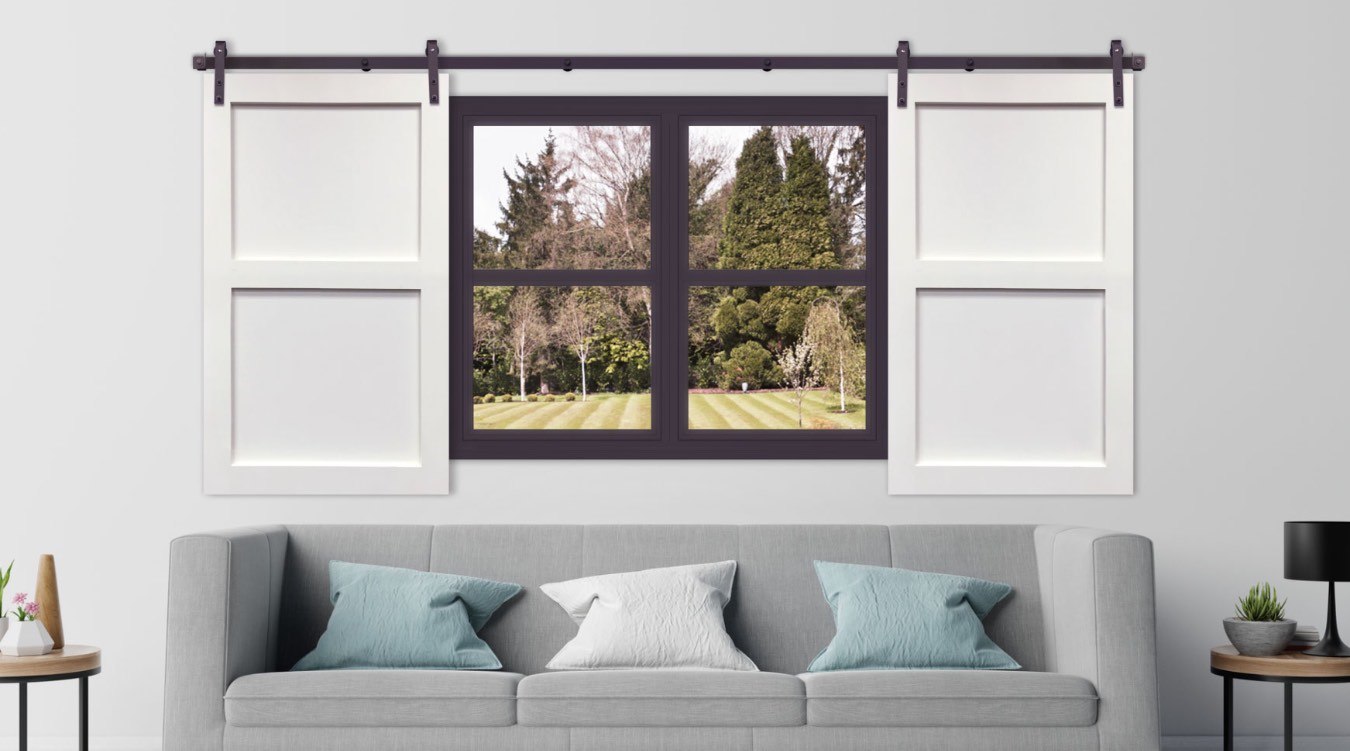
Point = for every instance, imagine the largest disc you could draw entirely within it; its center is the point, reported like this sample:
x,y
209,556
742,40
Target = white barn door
x,y
325,283
1011,289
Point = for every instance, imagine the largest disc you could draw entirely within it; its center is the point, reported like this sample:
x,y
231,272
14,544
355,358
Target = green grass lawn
x,y
772,410
756,411
598,412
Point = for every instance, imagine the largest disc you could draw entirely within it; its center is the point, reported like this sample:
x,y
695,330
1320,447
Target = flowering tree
x,y
795,362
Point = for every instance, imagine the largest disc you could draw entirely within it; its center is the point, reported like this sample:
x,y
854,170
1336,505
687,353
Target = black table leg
x,y
1227,713
1288,717
23,717
84,714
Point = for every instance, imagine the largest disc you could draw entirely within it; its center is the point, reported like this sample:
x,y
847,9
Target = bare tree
x,y
613,189
614,195
838,358
527,330
575,327
795,362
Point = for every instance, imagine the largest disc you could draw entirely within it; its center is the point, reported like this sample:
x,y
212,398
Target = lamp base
x,y
1331,644
1329,648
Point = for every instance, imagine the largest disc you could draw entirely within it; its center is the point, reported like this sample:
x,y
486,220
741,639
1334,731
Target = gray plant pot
x,y
1259,638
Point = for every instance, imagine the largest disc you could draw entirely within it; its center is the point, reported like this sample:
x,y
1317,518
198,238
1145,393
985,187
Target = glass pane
x,y
777,197
562,197
777,358
562,358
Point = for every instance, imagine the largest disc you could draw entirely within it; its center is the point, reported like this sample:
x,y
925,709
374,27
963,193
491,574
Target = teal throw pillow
x,y
399,618
891,618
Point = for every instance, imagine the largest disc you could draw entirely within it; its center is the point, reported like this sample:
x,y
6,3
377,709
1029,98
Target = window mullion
x,y
668,349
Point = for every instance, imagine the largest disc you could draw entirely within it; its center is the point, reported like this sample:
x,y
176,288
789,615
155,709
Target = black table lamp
x,y
1320,551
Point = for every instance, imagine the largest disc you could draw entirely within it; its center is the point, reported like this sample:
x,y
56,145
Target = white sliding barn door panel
x,y
326,285
1011,288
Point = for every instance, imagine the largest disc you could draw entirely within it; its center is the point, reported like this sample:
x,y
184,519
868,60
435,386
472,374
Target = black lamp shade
x,y
1317,551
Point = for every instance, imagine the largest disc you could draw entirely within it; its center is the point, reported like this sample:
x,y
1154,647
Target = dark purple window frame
x,y
669,277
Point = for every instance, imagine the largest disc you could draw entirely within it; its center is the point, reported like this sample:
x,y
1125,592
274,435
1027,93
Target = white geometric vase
x,y
25,639
4,626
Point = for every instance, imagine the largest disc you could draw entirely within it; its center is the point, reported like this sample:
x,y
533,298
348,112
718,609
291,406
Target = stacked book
x,y
1305,637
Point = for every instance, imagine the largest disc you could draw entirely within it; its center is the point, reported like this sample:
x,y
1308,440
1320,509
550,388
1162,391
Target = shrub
x,y
489,398
1261,604
478,400
569,397
550,398
506,398
748,363
532,398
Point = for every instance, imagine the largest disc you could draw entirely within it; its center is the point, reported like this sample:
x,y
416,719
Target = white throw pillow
x,y
658,618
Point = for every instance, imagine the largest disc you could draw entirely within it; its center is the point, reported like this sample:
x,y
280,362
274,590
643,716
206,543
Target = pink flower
x,y
20,598
31,608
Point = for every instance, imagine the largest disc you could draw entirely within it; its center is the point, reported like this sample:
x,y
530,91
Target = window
x,y
667,277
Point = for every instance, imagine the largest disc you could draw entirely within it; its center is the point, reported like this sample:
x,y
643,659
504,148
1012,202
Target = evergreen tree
x,y
750,230
537,214
806,237
487,250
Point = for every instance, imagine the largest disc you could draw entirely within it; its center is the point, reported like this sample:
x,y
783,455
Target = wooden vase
x,y
49,600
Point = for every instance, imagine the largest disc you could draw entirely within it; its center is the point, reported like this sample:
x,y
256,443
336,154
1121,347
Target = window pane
x,y
777,197
562,358
562,197
777,358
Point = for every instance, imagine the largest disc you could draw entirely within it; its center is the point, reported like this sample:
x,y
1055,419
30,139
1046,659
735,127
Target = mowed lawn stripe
x,y
515,415
493,416
773,414
549,415
828,405
785,405
753,414
703,416
637,413
490,409
605,415
737,417
812,409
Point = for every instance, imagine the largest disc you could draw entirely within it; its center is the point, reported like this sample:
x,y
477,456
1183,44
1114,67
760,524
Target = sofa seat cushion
x,y
373,698
948,698
661,698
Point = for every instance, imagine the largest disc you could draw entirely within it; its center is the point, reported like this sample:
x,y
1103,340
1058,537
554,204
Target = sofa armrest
x,y
224,598
1098,600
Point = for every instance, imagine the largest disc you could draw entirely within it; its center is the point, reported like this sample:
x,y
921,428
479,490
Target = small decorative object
x,y
27,637
49,601
1320,551
1260,628
4,582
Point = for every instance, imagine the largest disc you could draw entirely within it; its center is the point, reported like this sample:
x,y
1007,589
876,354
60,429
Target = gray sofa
x,y
245,604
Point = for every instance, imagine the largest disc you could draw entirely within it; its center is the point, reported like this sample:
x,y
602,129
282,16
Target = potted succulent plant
x,y
1260,628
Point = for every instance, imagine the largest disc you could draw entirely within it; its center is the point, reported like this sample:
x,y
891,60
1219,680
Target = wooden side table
x,y
73,662
1289,668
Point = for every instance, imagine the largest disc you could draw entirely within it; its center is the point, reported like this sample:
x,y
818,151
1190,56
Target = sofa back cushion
x,y
777,615
1002,553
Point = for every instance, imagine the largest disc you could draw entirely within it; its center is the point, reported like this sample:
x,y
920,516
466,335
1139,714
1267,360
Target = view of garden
x,y
579,197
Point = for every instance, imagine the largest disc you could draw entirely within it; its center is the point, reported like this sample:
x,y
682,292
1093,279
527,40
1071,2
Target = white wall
x,y
1241,273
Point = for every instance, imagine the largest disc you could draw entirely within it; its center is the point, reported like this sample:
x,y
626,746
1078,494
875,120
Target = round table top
x,y
73,658
1291,664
